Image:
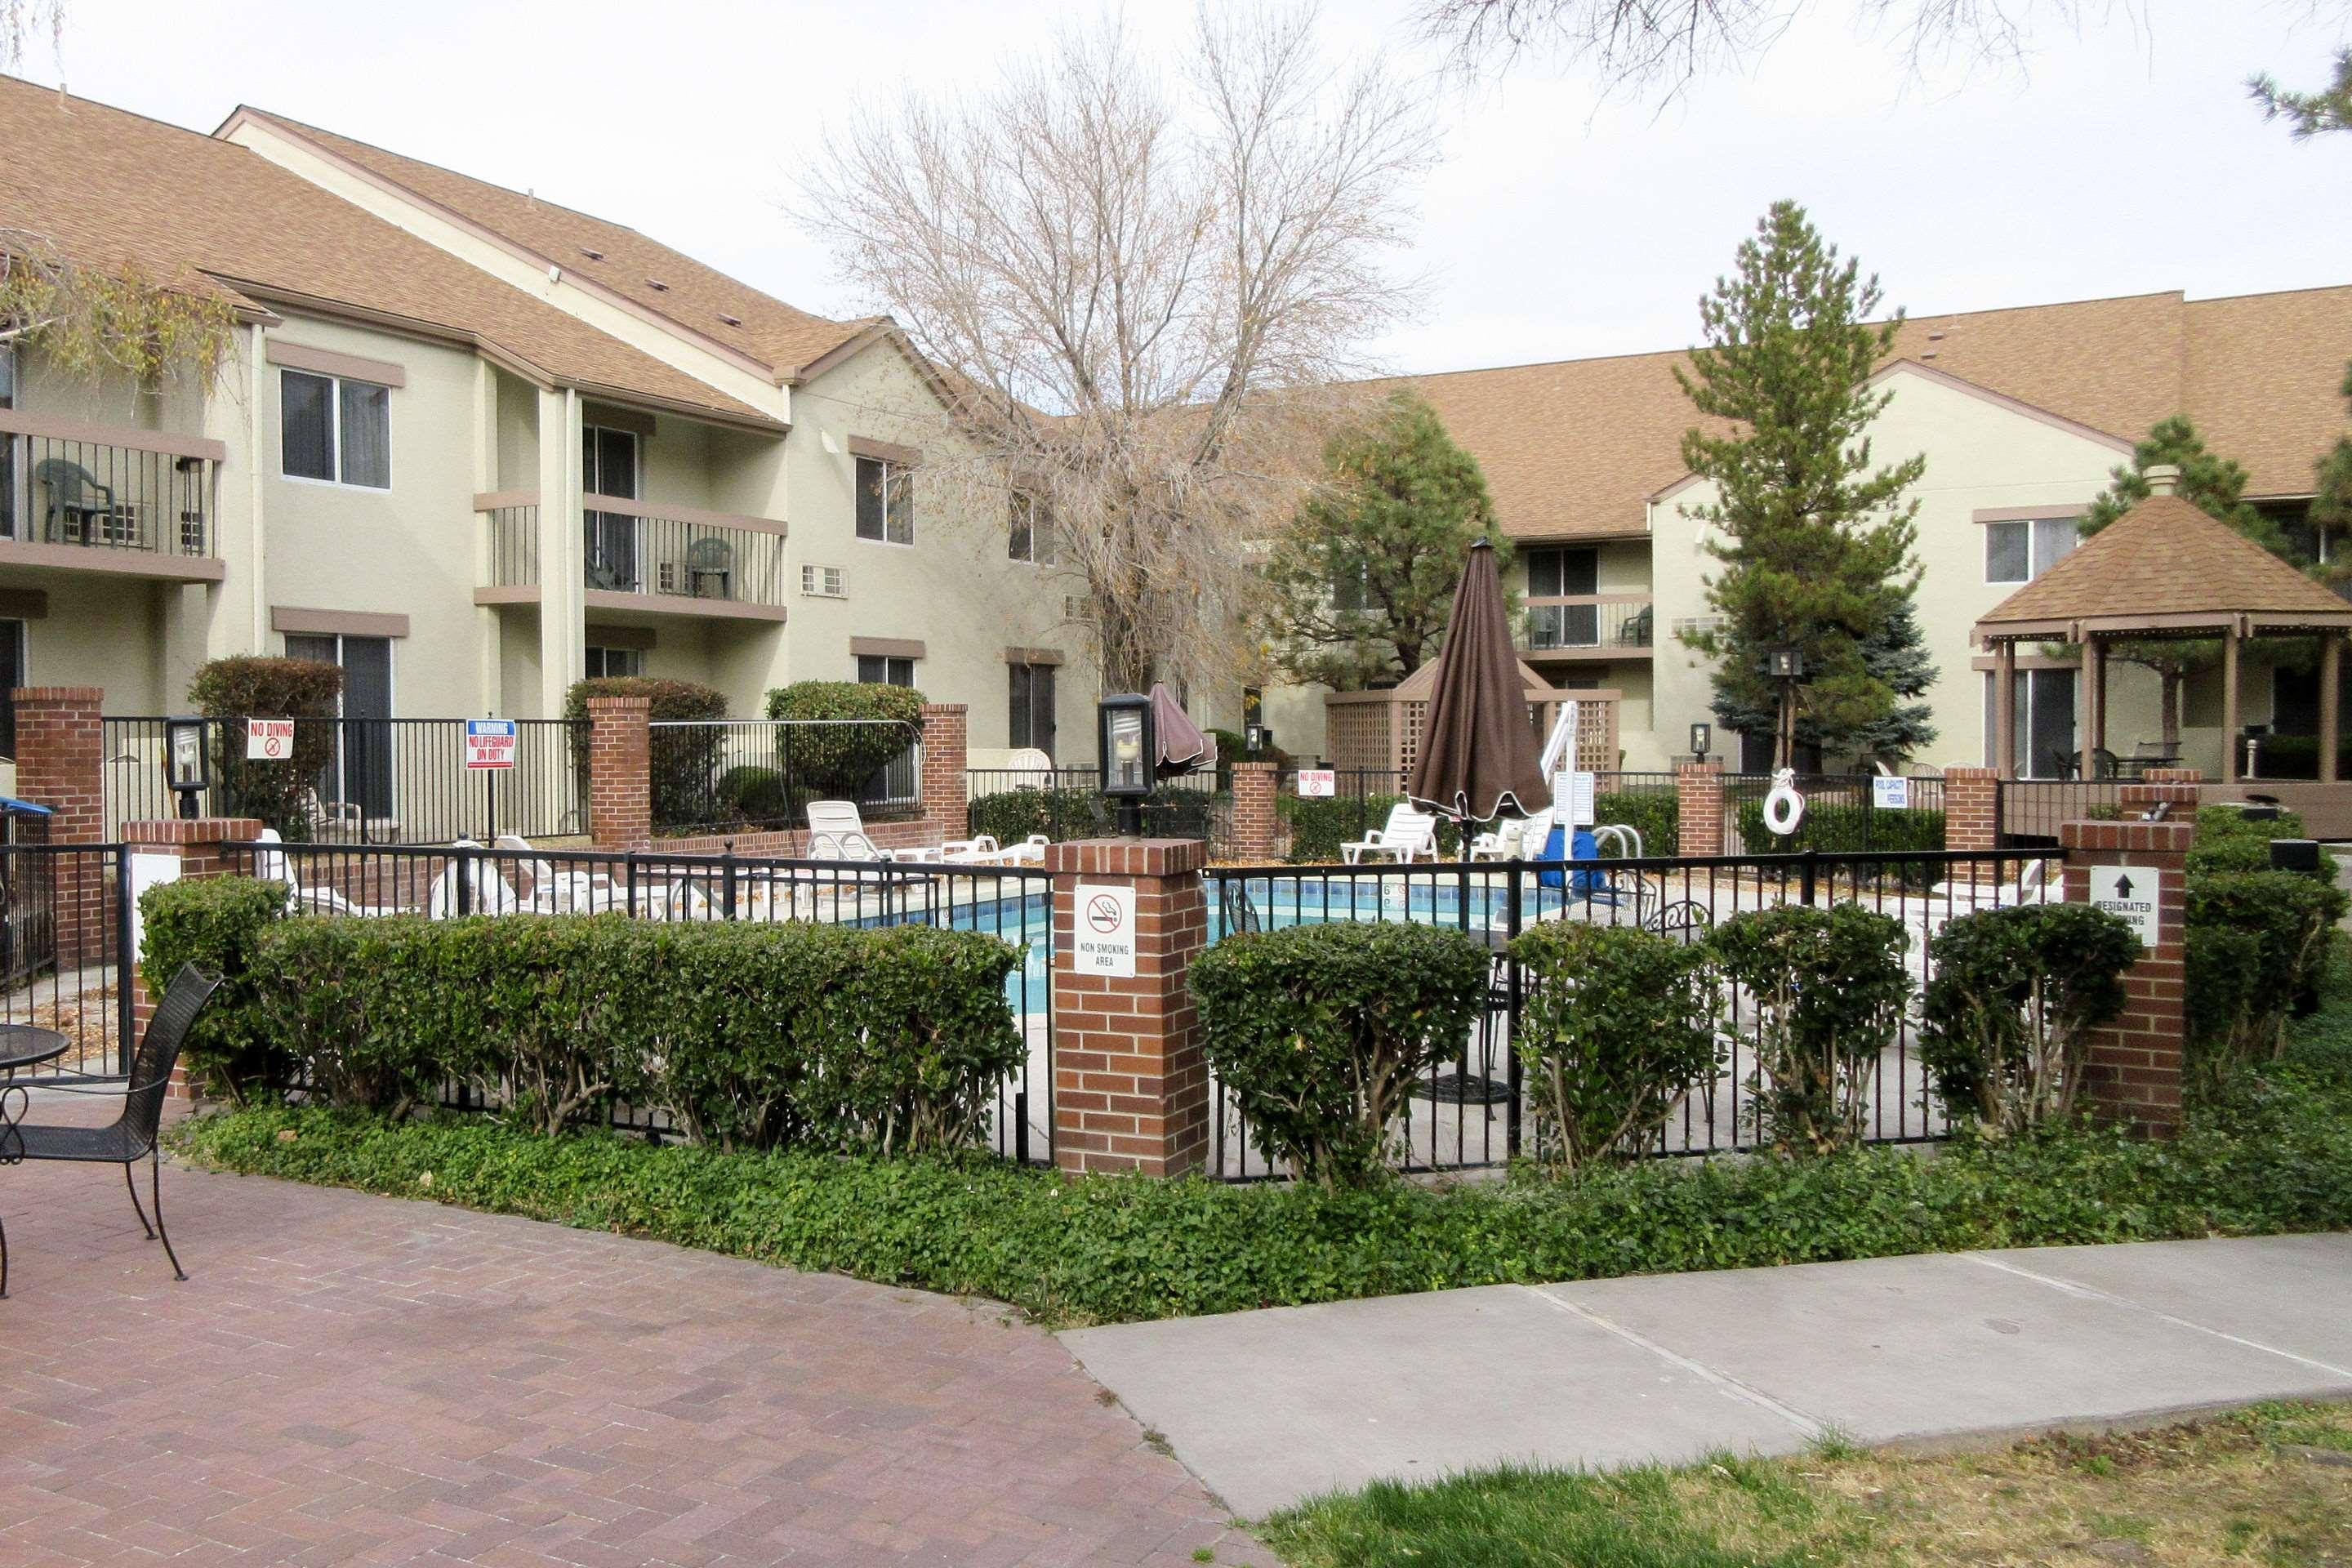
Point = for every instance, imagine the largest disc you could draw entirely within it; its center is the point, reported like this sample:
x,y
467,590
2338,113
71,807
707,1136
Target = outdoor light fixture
x,y
1258,738
1785,662
1126,750
186,767
1702,735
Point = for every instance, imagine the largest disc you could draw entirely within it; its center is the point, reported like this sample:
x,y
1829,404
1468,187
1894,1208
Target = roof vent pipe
x,y
2163,478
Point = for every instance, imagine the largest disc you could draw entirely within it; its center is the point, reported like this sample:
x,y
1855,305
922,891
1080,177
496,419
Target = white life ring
x,y
1784,808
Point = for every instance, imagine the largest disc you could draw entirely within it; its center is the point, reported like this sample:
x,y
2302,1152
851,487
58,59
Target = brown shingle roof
x,y
107,188
1573,448
2164,563
649,274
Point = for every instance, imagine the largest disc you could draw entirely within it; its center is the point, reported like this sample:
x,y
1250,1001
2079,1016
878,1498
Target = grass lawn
x,y
2254,1487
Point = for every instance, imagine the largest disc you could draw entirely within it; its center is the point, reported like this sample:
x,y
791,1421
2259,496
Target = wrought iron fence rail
x,y
716,775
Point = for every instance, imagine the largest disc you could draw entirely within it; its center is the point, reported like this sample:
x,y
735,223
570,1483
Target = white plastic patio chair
x,y
1408,832
837,832
272,864
488,892
1950,899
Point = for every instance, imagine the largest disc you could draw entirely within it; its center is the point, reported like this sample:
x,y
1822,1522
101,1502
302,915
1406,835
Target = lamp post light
x,y
1785,663
1125,747
187,768
1702,736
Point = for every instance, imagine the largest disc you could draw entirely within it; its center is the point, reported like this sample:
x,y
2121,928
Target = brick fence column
x,y
1972,809
200,845
2140,799
1130,1082
1255,817
943,791
620,773
61,763
1698,810
2135,1072
2172,776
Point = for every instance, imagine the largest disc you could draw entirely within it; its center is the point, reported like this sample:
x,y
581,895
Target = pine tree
x,y
1898,656
2309,114
2331,507
1362,582
2213,483
1815,541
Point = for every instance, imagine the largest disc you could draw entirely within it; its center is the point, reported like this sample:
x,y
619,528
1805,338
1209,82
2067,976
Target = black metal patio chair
x,y
130,1137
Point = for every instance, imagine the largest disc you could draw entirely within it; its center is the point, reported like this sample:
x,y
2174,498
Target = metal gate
x,y
66,952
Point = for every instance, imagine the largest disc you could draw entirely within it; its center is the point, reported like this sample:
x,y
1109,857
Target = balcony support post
x,y
563,552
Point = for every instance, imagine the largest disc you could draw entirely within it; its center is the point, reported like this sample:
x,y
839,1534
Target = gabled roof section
x,y
108,188
698,300
2165,564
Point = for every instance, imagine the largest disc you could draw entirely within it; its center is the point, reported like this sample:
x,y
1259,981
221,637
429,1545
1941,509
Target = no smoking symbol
x,y
1102,913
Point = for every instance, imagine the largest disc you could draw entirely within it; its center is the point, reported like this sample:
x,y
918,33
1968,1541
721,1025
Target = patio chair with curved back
x,y
70,489
130,1137
711,558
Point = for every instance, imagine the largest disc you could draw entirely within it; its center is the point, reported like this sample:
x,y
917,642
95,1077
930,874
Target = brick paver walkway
x,y
353,1379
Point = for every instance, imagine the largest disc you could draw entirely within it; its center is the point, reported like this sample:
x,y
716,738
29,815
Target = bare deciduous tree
x,y
1663,44
1139,290
22,21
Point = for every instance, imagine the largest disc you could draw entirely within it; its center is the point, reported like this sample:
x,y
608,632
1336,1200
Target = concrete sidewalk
x,y
1270,1407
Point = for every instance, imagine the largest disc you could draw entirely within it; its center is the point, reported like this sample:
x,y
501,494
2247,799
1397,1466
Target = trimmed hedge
x,y
2255,943
217,923
835,760
2275,1156
1616,1026
1318,1032
247,686
1656,815
748,1035
2007,1016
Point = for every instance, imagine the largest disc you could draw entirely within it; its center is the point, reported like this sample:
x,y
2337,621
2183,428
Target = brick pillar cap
x,y
1709,766
1255,767
2146,838
945,708
160,831
59,696
1127,857
619,704
1966,770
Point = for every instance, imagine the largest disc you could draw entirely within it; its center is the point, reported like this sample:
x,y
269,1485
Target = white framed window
x,y
824,582
606,662
885,501
874,669
334,430
2022,550
1029,534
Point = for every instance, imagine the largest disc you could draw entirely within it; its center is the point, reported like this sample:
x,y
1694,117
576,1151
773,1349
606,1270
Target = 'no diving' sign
x,y
1104,942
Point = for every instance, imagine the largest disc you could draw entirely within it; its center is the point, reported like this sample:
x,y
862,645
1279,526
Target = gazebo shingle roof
x,y
2165,564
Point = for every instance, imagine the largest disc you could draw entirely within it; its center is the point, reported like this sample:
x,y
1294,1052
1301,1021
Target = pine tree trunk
x,y
2169,702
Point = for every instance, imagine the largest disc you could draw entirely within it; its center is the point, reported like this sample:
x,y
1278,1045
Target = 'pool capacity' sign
x,y
1104,938
490,744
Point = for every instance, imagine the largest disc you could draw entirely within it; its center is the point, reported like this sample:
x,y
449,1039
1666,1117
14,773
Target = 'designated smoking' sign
x,y
1104,941
2128,893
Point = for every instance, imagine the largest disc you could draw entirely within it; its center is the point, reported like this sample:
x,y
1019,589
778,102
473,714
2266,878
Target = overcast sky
x,y
1559,225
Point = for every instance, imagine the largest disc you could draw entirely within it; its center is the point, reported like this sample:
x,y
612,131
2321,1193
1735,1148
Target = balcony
x,y
78,496
1588,627
642,555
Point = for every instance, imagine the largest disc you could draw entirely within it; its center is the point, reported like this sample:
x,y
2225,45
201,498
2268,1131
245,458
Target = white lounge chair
x,y
837,832
1521,838
1949,901
272,864
1408,832
487,893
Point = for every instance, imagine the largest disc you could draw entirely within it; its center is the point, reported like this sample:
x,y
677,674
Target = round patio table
x,y
21,1045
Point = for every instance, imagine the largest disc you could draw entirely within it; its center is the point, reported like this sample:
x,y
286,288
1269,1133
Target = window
x,y
334,430
873,669
358,778
2021,551
2044,723
1563,573
1029,536
824,582
1033,707
605,662
12,676
885,501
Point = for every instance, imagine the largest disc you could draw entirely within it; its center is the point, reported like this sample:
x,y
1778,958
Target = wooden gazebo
x,y
1381,731
2164,569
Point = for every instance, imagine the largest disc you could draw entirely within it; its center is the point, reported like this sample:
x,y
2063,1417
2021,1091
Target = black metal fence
x,y
1010,902
717,774
2030,810
383,780
65,950
1011,805
1474,1110
1845,813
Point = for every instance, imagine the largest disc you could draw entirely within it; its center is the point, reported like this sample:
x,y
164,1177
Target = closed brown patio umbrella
x,y
1182,748
1478,753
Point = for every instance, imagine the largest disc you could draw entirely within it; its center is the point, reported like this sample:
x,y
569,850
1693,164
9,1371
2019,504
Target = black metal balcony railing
x,y
640,547
105,486
1588,621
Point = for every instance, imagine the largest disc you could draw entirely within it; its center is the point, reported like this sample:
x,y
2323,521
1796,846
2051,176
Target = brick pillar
x,y
943,793
198,844
1972,809
1131,1083
2141,799
61,763
1698,811
2173,775
1255,818
2135,1071
620,773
